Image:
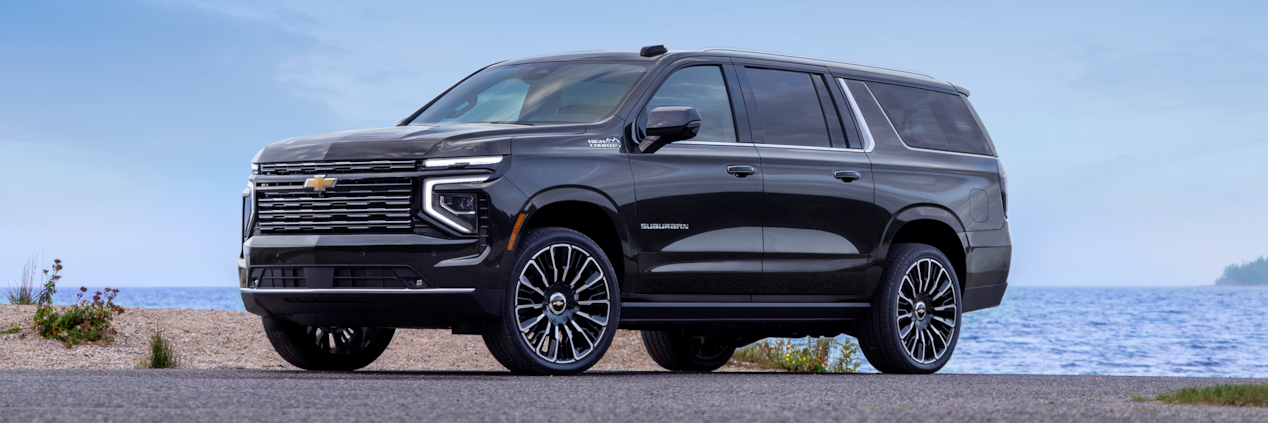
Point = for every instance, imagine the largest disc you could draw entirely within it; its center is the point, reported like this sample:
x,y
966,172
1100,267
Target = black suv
x,y
708,198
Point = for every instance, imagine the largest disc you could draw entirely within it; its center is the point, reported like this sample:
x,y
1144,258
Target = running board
x,y
656,312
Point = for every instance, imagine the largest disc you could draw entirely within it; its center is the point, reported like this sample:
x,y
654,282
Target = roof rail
x,y
819,59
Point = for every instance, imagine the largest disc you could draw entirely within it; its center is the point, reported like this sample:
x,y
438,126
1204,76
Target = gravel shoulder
x,y
218,339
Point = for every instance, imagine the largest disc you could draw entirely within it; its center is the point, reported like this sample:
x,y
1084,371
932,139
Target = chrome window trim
x,y
726,144
807,147
290,291
900,136
429,187
869,143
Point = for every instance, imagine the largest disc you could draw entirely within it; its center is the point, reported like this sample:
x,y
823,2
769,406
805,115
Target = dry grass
x,y
26,290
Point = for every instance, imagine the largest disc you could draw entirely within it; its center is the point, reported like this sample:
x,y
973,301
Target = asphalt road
x,y
246,395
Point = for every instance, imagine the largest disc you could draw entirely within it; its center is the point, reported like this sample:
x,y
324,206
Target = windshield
x,y
537,93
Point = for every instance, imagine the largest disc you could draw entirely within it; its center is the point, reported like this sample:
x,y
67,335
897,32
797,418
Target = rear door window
x,y
788,107
930,119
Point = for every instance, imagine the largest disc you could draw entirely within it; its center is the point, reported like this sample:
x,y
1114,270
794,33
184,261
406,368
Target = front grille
x,y
373,205
310,168
279,278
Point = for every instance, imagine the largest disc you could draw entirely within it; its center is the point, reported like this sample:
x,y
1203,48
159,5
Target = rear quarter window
x,y
930,119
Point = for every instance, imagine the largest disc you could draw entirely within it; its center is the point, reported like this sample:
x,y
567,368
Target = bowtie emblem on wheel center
x,y
557,303
920,311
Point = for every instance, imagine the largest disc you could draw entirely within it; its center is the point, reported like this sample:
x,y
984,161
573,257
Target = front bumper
x,y
395,280
442,263
396,308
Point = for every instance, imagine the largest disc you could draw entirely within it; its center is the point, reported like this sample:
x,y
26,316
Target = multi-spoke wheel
x,y
562,305
685,352
328,348
915,317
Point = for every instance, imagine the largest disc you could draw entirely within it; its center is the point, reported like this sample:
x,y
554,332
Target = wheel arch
x,y
932,225
584,210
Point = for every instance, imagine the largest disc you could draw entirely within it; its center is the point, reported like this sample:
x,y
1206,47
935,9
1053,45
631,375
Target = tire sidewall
x,y
534,241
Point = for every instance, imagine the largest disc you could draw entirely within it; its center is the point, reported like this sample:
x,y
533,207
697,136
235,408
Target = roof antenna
x,y
652,51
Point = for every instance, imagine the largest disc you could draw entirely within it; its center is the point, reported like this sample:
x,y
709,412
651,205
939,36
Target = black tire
x,y
923,342
339,349
679,351
582,299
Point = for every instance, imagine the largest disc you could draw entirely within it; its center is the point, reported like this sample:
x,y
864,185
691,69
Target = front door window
x,y
703,88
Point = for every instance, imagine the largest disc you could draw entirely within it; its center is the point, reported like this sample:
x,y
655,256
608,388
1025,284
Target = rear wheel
x,y
914,321
328,348
562,306
679,351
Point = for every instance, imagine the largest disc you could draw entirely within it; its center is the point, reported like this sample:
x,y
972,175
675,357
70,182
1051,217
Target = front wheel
x,y
562,306
328,348
914,322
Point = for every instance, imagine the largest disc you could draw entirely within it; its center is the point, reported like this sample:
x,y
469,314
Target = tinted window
x,y
701,87
788,107
557,92
930,119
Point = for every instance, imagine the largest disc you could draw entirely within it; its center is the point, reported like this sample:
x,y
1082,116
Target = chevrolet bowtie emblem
x,y
319,183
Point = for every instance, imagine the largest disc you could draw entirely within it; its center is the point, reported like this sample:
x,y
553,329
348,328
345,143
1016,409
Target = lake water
x,y
1194,331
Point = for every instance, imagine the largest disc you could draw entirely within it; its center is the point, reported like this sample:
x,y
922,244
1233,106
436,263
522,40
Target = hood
x,y
405,142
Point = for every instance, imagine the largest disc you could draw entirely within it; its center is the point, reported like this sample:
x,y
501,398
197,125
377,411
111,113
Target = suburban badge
x,y
663,226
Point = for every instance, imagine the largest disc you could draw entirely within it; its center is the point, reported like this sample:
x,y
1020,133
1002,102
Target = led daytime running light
x,y
470,161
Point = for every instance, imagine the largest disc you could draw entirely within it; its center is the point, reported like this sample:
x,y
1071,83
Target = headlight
x,y
460,207
456,210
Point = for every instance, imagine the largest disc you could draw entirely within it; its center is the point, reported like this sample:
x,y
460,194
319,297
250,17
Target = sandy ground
x,y
216,339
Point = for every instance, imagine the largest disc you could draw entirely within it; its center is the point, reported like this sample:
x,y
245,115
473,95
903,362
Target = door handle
x,y
847,175
741,171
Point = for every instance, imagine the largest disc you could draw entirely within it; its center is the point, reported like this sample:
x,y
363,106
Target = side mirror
x,y
666,124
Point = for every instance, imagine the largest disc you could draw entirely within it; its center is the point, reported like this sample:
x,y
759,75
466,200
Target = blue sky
x,y
1135,133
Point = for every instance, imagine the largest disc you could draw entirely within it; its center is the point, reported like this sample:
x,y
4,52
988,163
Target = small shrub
x,y
815,356
161,356
1239,395
84,321
24,293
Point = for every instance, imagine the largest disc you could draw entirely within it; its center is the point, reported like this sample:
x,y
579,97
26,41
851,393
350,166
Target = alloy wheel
x,y
562,303
927,308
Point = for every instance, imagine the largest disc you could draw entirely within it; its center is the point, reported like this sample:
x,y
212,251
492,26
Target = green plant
x,y
1239,395
84,321
11,329
24,293
816,355
49,288
162,355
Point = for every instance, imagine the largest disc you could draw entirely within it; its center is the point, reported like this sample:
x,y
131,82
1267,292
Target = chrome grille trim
x,y
369,205
369,166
